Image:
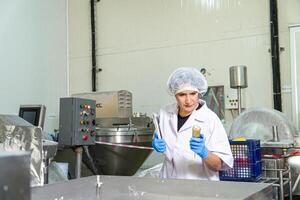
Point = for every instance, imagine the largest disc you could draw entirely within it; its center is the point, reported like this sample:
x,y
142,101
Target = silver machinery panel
x,y
77,121
110,103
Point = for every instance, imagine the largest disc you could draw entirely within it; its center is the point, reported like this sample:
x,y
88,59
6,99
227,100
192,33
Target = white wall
x,y
141,42
288,14
33,55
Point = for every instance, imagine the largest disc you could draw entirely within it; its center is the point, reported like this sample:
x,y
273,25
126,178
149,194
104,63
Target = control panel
x,y
77,121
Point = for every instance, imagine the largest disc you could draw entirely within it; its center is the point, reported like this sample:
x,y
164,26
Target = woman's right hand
x,y
158,144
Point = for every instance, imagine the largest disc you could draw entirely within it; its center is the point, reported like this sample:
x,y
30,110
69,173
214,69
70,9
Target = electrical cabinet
x,y
77,121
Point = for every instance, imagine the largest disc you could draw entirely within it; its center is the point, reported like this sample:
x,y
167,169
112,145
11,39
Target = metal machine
x,y
77,126
122,142
277,137
122,145
49,151
238,80
76,122
34,114
16,134
111,103
15,175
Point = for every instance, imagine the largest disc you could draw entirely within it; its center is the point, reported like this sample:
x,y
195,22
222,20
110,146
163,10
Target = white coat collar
x,y
197,115
201,114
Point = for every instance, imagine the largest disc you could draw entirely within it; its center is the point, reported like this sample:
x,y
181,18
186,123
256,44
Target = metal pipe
x,y
275,55
90,160
46,167
296,183
290,184
78,151
93,32
285,172
281,185
275,133
239,94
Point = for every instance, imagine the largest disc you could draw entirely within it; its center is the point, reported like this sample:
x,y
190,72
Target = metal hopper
x,y
122,145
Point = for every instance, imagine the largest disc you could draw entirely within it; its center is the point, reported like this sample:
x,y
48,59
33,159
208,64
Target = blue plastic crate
x,y
247,164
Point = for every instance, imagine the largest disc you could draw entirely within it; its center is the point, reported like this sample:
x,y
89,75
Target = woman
x,y
186,156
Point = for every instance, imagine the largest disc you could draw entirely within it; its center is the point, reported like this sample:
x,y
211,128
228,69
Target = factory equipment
x,y
122,142
76,122
17,134
15,175
276,135
133,188
34,114
258,123
77,126
238,80
214,98
111,103
49,151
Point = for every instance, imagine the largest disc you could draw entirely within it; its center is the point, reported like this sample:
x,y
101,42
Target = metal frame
x,y
295,105
283,179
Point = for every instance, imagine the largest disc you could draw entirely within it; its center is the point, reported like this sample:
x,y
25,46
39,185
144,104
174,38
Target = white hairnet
x,y
184,78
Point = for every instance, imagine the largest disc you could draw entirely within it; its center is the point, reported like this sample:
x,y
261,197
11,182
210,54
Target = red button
x,y
85,137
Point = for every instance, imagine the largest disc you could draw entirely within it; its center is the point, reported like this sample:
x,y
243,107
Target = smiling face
x,y
187,101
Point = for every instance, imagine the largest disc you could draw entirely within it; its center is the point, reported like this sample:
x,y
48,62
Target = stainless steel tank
x,y
122,145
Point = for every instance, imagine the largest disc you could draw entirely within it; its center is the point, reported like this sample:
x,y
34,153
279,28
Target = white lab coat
x,y
180,161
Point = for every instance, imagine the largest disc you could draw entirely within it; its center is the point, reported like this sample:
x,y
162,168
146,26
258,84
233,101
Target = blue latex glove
x,y
158,144
198,146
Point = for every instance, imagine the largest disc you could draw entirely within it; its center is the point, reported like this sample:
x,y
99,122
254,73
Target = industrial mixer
x,y
122,141
277,137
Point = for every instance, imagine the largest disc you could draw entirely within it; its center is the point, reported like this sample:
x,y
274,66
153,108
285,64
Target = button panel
x,y
77,121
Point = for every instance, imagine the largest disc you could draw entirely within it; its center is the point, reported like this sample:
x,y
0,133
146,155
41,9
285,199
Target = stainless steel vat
x,y
121,150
